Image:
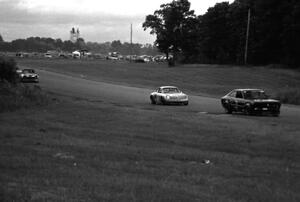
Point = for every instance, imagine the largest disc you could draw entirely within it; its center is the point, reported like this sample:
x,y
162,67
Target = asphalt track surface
x,y
139,97
95,90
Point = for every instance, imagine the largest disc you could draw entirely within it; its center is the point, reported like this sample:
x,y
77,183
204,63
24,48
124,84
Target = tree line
x,y
219,35
42,45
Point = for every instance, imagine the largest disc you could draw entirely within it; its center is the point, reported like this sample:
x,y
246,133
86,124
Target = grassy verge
x,y
289,95
209,80
78,150
17,96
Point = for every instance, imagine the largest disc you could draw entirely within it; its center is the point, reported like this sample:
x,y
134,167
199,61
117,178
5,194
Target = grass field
x,y
14,97
74,149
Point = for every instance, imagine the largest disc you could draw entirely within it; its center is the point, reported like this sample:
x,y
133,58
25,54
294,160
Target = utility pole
x,y
130,42
247,37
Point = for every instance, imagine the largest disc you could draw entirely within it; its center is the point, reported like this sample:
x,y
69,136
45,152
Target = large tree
x,y
173,26
215,33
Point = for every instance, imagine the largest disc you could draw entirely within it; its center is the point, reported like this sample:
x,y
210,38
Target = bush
x,y
8,69
289,95
16,96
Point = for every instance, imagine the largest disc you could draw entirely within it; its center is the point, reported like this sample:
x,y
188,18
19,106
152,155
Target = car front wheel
x,y
276,114
228,110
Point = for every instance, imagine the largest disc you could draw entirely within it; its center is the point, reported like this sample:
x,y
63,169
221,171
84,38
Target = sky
x,y
97,20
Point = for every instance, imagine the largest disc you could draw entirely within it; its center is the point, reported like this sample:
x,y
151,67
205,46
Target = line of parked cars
x,y
247,101
85,54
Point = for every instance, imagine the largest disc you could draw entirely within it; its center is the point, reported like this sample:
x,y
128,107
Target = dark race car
x,y
250,101
29,75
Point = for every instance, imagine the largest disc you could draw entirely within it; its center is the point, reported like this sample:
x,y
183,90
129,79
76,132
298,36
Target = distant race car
x,y
250,101
168,95
29,75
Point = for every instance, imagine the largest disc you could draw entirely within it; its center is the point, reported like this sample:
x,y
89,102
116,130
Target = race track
x,y
81,87
94,90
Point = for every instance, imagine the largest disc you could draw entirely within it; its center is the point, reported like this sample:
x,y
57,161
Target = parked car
x,y
168,95
29,75
250,101
145,58
159,58
139,59
113,56
47,55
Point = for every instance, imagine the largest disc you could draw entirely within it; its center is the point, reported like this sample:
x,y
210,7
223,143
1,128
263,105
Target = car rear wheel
x,y
162,101
228,110
152,100
248,111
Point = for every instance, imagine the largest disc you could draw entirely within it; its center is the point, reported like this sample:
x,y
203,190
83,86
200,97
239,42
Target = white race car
x,y
168,95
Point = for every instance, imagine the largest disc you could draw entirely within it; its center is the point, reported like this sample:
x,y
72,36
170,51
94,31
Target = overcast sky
x,y
97,20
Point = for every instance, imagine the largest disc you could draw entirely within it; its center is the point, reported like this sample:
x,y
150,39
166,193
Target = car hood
x,y
29,74
175,94
265,101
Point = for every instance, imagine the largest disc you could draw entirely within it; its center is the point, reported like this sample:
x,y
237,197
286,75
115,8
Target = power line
x,y
247,37
130,42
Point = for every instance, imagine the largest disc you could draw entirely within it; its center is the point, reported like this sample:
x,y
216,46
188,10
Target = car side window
x,y
159,90
239,94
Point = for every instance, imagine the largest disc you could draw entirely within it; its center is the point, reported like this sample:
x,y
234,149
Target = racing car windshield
x,y
28,71
252,95
171,90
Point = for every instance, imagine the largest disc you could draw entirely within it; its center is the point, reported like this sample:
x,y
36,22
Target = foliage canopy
x,y
219,35
172,24
8,70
